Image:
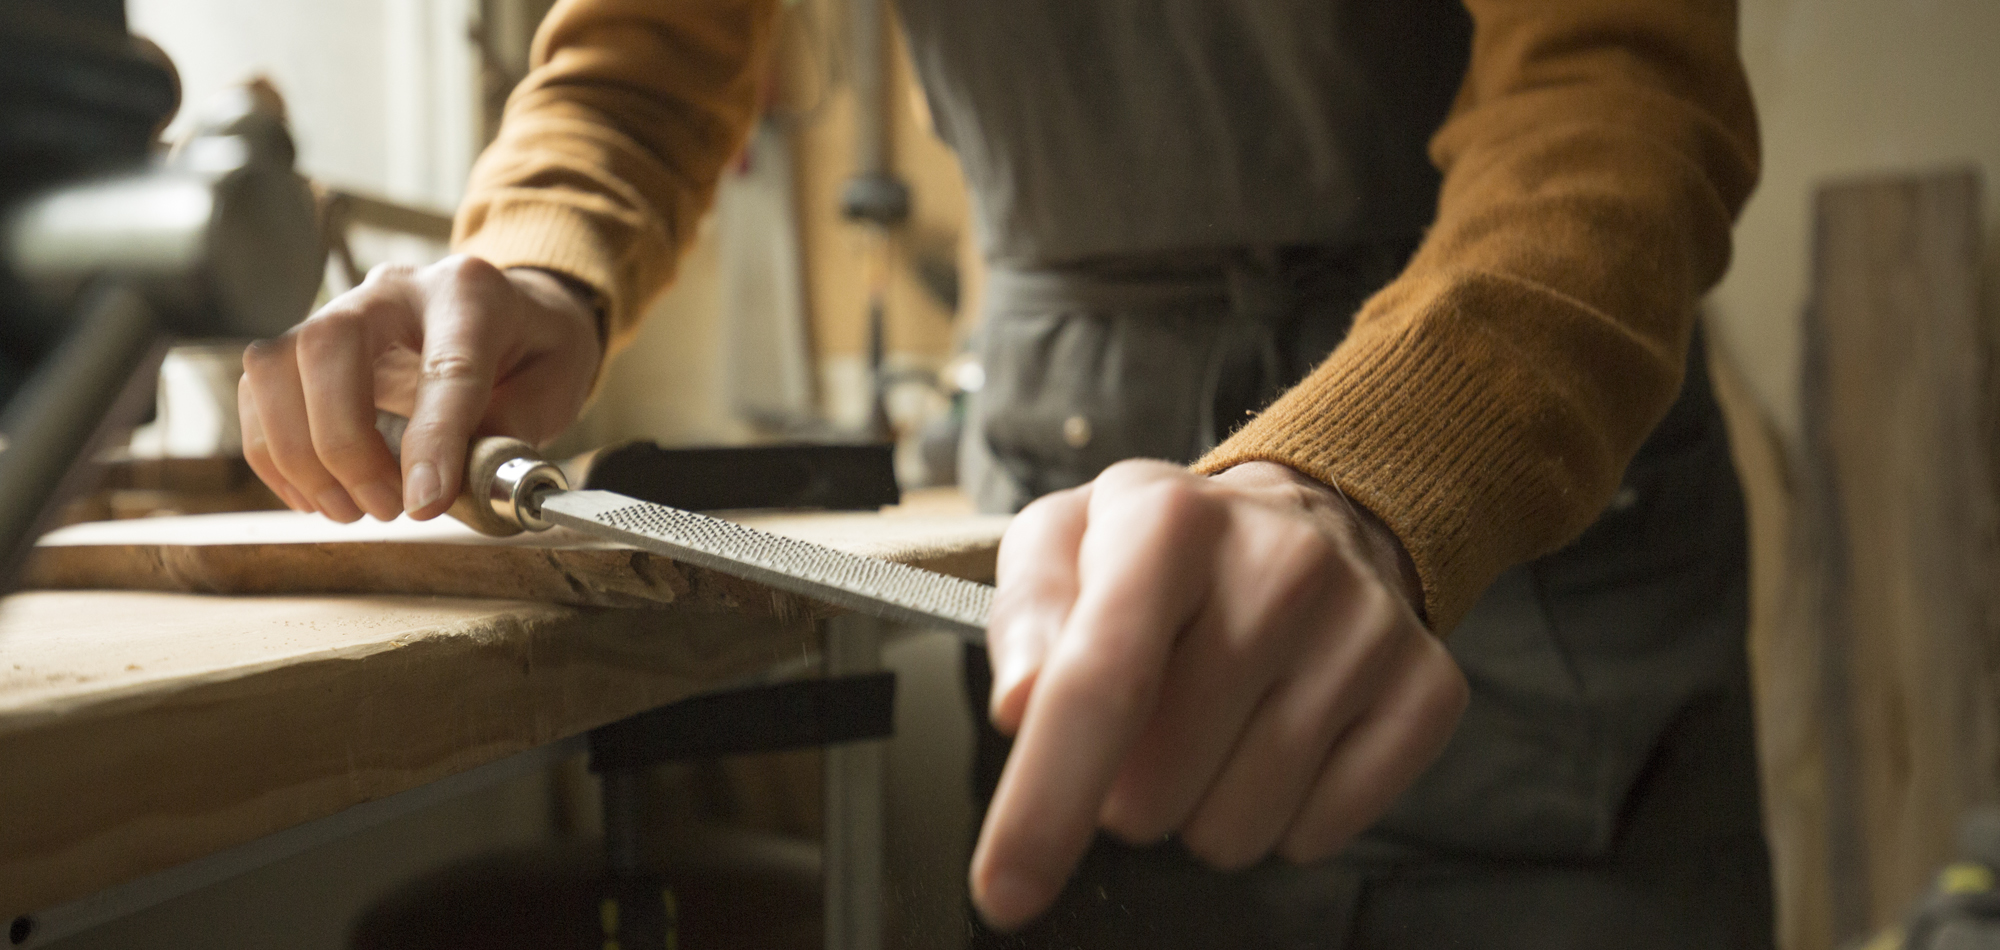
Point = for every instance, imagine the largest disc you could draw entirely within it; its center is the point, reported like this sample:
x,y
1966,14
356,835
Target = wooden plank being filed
x,y
1894,539
142,730
286,552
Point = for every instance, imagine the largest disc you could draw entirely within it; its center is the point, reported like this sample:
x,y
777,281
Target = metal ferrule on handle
x,y
518,486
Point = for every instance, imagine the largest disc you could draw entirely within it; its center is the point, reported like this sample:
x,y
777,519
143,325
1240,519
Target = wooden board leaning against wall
x,y
1874,633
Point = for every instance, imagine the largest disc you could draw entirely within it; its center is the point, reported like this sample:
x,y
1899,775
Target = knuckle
x,y
1299,569
1313,549
451,367
1047,508
1136,473
1182,510
388,273
332,325
262,356
465,272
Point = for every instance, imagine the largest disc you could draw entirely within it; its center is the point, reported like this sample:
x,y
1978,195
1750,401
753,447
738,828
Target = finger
x,y
270,369
1036,587
1142,561
258,454
336,354
1278,578
463,334
1380,755
1271,771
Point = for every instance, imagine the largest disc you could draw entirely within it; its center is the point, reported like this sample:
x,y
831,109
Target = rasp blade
x,y
869,585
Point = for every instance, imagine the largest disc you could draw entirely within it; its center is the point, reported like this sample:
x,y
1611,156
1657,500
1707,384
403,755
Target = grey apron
x,y
1183,203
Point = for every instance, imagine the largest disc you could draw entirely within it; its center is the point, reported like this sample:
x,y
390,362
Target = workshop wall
x,y
382,94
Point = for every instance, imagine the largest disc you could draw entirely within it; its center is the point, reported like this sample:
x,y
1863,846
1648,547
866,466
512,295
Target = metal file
x,y
868,585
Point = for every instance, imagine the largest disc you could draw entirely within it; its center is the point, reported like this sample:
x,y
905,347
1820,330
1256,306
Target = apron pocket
x,y
1068,394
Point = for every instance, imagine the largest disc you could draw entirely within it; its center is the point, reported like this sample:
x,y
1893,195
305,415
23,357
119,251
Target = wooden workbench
x,y
142,729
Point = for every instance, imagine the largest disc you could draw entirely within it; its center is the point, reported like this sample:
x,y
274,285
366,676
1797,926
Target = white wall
x,y
382,93
1848,87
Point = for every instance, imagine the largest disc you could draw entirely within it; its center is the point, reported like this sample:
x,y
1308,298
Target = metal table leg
x,y
854,796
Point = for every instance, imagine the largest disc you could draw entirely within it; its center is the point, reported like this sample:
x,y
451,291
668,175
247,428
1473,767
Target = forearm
x,y
1486,403
611,149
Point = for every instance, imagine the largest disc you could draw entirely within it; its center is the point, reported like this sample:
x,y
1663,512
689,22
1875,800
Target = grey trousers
x,y
1601,790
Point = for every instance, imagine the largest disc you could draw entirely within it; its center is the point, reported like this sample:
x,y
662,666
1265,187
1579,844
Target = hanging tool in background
x,y
108,252
875,197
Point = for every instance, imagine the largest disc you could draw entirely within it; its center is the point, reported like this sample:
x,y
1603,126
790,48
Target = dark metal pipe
x,y
96,382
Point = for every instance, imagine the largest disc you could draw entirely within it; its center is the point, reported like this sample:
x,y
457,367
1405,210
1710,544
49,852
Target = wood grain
x,y
1894,557
286,552
142,730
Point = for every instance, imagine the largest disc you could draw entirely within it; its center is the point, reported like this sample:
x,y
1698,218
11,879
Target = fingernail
x,y
335,504
381,499
422,487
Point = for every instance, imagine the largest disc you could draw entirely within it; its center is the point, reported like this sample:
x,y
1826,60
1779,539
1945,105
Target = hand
x,y
1233,659
460,347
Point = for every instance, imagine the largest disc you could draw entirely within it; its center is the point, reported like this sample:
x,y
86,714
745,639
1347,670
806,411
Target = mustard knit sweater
x,y
1487,401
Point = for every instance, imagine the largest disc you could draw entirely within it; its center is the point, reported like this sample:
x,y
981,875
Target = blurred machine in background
x,y
110,248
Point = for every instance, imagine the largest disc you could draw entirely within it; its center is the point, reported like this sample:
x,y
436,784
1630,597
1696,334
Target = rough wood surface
x,y
1892,591
285,552
142,730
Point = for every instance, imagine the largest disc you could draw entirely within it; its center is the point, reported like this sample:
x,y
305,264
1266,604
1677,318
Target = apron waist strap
x,y
1070,289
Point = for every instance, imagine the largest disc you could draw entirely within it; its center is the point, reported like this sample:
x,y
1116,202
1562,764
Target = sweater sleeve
x,y
1487,401
611,148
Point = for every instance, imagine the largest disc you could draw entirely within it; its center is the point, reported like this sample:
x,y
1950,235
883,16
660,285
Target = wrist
x,y
1380,545
564,294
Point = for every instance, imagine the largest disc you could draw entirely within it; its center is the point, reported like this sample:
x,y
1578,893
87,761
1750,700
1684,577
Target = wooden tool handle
x,y
475,502
486,500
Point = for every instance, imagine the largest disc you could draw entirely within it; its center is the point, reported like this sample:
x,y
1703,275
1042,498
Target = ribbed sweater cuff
x,y
1404,418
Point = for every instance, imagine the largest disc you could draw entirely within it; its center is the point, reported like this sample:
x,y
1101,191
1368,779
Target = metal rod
x,y
854,792
96,382
621,789
866,64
